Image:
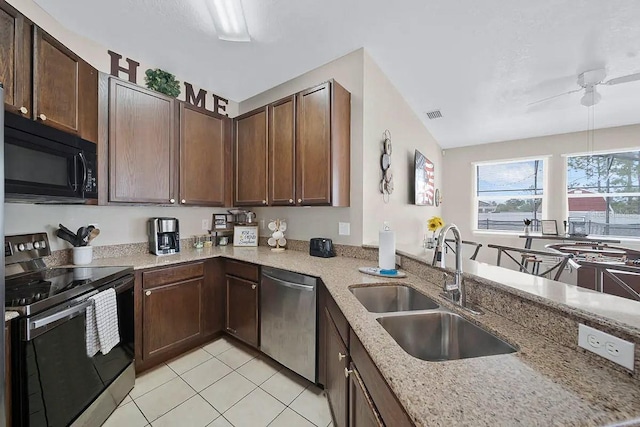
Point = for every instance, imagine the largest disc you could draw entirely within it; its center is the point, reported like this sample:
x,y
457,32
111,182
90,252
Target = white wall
x,y
95,53
459,176
306,222
385,108
117,224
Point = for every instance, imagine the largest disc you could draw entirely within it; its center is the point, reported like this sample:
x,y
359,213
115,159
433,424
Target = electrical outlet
x,y
205,224
398,261
262,226
613,348
344,228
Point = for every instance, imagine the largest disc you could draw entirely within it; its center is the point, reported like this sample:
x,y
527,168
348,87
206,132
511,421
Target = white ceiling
x,y
480,62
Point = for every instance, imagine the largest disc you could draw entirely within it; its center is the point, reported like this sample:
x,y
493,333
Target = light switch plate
x,y
344,228
613,348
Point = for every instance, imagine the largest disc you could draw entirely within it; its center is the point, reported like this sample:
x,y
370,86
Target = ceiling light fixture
x,y
228,18
591,96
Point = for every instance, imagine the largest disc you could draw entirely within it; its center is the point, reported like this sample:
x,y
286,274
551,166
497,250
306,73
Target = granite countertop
x,y
543,383
8,315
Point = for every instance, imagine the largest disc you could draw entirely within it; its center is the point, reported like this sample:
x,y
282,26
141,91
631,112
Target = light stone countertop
x,y
550,292
8,315
544,383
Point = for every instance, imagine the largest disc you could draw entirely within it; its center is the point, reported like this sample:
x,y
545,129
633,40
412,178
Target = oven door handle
x,y
67,313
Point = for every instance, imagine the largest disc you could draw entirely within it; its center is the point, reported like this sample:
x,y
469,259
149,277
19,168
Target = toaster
x,y
321,247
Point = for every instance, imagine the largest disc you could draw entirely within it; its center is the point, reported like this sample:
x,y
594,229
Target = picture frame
x,y
245,235
219,221
424,180
549,227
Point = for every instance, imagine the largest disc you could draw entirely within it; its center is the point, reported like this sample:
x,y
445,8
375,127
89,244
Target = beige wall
x,y
95,53
459,175
306,222
385,108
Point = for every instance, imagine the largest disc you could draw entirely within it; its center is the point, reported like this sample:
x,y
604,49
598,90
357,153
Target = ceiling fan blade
x,y
555,96
623,79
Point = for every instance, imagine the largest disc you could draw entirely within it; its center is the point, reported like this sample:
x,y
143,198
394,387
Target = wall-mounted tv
x,y
424,180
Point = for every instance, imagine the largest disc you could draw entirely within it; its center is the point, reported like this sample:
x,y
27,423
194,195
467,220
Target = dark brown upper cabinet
x,y
251,158
205,169
323,145
282,160
307,163
142,148
44,80
15,68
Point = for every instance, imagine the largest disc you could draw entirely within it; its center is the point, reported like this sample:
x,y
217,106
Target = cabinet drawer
x,y
385,401
163,276
243,270
338,318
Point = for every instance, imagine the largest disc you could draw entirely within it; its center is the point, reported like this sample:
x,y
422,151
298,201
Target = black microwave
x,y
46,165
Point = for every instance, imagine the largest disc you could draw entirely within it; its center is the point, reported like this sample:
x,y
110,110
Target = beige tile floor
x,y
223,383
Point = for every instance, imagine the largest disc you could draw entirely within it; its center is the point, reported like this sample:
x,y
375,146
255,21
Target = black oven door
x,y
58,380
44,164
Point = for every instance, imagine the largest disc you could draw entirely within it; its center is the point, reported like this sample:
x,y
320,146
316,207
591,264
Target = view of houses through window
x,y
604,189
509,193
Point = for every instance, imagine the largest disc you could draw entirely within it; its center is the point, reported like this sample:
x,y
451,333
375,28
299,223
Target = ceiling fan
x,y
588,82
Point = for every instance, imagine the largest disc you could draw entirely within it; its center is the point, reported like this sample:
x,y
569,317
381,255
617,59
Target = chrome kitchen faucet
x,y
454,291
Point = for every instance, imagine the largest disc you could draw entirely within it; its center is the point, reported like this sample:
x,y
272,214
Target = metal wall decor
x,y
386,183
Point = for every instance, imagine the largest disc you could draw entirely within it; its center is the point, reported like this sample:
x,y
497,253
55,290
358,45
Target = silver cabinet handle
x,y
172,200
42,117
24,110
184,201
289,284
290,200
148,293
253,286
299,200
347,372
341,356
264,202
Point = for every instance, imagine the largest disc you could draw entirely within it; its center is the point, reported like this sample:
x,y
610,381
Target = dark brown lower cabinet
x,y
242,309
362,411
337,361
172,315
178,308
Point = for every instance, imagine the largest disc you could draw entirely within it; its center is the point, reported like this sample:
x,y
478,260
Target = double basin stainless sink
x,y
424,329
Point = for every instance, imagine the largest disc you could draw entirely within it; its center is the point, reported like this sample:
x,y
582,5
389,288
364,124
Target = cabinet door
x,y
142,147
15,68
362,411
242,309
56,76
250,159
204,138
313,146
282,118
171,316
336,360
213,297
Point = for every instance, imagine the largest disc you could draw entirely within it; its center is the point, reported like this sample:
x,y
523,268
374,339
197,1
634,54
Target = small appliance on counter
x,y
321,247
164,236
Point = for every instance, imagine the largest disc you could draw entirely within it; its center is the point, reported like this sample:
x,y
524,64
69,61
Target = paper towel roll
x,y
387,250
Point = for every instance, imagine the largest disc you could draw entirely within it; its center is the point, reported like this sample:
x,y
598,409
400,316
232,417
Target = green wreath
x,y
162,81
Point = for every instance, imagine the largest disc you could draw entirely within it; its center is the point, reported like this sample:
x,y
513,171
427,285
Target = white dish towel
x,y
102,322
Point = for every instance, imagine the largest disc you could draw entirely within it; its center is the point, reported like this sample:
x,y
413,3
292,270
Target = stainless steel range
x,y
55,382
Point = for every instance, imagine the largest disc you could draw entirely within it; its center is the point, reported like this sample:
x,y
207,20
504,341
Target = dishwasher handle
x,y
281,282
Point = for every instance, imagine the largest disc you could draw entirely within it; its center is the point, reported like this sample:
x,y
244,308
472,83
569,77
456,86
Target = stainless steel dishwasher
x,y
288,320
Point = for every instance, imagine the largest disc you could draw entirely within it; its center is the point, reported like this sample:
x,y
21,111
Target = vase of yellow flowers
x,y
433,224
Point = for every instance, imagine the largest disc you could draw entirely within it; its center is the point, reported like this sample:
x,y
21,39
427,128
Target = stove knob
x,y
21,247
43,244
36,245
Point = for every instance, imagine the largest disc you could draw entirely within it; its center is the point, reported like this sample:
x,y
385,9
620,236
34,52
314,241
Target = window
x,y
604,189
509,193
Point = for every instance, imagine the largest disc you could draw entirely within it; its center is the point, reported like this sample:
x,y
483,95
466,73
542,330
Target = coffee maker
x,y
164,236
